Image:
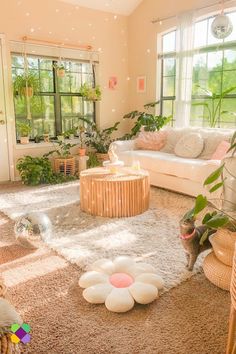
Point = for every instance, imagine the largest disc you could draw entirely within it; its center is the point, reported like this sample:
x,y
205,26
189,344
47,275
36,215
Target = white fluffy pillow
x,y
8,314
189,146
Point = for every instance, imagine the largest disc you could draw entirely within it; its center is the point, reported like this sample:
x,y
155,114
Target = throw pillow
x,y
151,140
189,146
221,150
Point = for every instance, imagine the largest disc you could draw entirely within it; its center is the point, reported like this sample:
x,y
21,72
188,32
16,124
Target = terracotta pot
x,y
24,140
223,243
28,91
61,72
82,152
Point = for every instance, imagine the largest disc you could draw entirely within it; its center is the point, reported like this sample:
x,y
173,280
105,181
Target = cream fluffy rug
x,y
82,239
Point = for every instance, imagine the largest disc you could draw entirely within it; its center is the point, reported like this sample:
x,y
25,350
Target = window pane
x,y
214,61
75,82
45,64
169,67
168,86
229,80
33,63
215,82
230,59
167,108
229,115
200,40
64,83
17,61
202,115
46,81
169,42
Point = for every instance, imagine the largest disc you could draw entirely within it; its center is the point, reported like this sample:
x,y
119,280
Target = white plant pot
x,y
24,140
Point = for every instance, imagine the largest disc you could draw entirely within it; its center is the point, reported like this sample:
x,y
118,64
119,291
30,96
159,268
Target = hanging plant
x,y
26,85
90,93
60,69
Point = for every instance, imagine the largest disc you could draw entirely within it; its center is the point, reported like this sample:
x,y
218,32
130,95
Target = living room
x,y
118,176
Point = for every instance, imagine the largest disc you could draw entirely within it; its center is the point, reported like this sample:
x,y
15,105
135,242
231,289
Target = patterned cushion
x,y
151,140
189,146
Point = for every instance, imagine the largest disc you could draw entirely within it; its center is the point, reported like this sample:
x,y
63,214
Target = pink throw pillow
x,y
221,150
151,140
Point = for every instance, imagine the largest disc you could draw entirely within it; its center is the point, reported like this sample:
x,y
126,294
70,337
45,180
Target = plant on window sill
x,y
148,121
214,108
24,130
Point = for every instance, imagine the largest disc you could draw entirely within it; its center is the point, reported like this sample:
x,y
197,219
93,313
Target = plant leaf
x,y
217,220
214,175
200,204
217,186
204,237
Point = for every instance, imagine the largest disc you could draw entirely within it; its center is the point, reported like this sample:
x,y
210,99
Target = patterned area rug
x,y
80,238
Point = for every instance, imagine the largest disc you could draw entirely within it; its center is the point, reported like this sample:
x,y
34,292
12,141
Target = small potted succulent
x,y
24,130
46,137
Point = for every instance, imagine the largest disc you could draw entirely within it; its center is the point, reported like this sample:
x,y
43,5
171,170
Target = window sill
x,y
41,145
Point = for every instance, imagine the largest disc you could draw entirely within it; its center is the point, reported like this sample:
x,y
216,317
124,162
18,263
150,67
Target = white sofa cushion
x,y
189,146
170,164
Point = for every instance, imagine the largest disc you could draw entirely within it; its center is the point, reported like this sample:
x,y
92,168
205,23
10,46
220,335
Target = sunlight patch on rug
x,y
82,239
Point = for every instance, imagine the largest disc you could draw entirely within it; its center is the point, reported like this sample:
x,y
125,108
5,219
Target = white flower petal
x,y
122,263
98,293
103,265
92,278
140,268
143,293
119,300
151,278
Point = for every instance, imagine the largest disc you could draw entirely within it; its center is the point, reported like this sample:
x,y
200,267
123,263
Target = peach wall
x,y
142,35
55,20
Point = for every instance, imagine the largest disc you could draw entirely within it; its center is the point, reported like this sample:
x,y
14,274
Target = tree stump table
x,y
123,194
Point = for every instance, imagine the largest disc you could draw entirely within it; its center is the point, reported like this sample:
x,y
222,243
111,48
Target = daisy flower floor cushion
x,y
120,283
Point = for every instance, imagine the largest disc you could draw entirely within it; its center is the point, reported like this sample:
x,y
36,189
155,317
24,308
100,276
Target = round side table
x,y
123,194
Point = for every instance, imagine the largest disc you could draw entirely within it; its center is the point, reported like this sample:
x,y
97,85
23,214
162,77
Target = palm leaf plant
x,y
213,107
219,217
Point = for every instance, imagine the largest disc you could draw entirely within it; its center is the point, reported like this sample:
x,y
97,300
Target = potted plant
x,y
70,133
100,140
24,130
64,162
146,120
26,85
213,107
60,69
220,220
46,134
90,93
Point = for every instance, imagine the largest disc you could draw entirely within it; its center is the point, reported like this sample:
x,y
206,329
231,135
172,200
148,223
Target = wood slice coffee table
x,y
114,195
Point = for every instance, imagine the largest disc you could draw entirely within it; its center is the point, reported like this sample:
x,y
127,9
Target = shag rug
x,y
80,238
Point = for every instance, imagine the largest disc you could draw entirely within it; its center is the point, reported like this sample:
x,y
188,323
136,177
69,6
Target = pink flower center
x,y
121,280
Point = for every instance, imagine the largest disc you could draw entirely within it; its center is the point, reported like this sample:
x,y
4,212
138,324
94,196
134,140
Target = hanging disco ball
x,y
30,229
222,26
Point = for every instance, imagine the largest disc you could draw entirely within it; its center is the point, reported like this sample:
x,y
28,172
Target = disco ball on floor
x,y
30,229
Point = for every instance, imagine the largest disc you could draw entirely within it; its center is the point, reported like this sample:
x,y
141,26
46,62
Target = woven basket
x,y
217,272
223,242
65,166
233,282
102,157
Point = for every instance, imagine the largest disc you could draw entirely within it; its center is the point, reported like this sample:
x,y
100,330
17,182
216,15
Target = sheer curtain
x,y
184,67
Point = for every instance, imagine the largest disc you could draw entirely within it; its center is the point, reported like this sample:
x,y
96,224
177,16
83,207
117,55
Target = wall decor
x,y
112,82
141,84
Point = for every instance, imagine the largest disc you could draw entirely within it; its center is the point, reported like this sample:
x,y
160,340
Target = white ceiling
x,y
122,7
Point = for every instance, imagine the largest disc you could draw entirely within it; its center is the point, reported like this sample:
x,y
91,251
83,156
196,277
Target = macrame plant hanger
x,y
26,73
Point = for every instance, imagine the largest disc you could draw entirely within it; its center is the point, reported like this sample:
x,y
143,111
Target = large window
x,y
213,72
58,105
